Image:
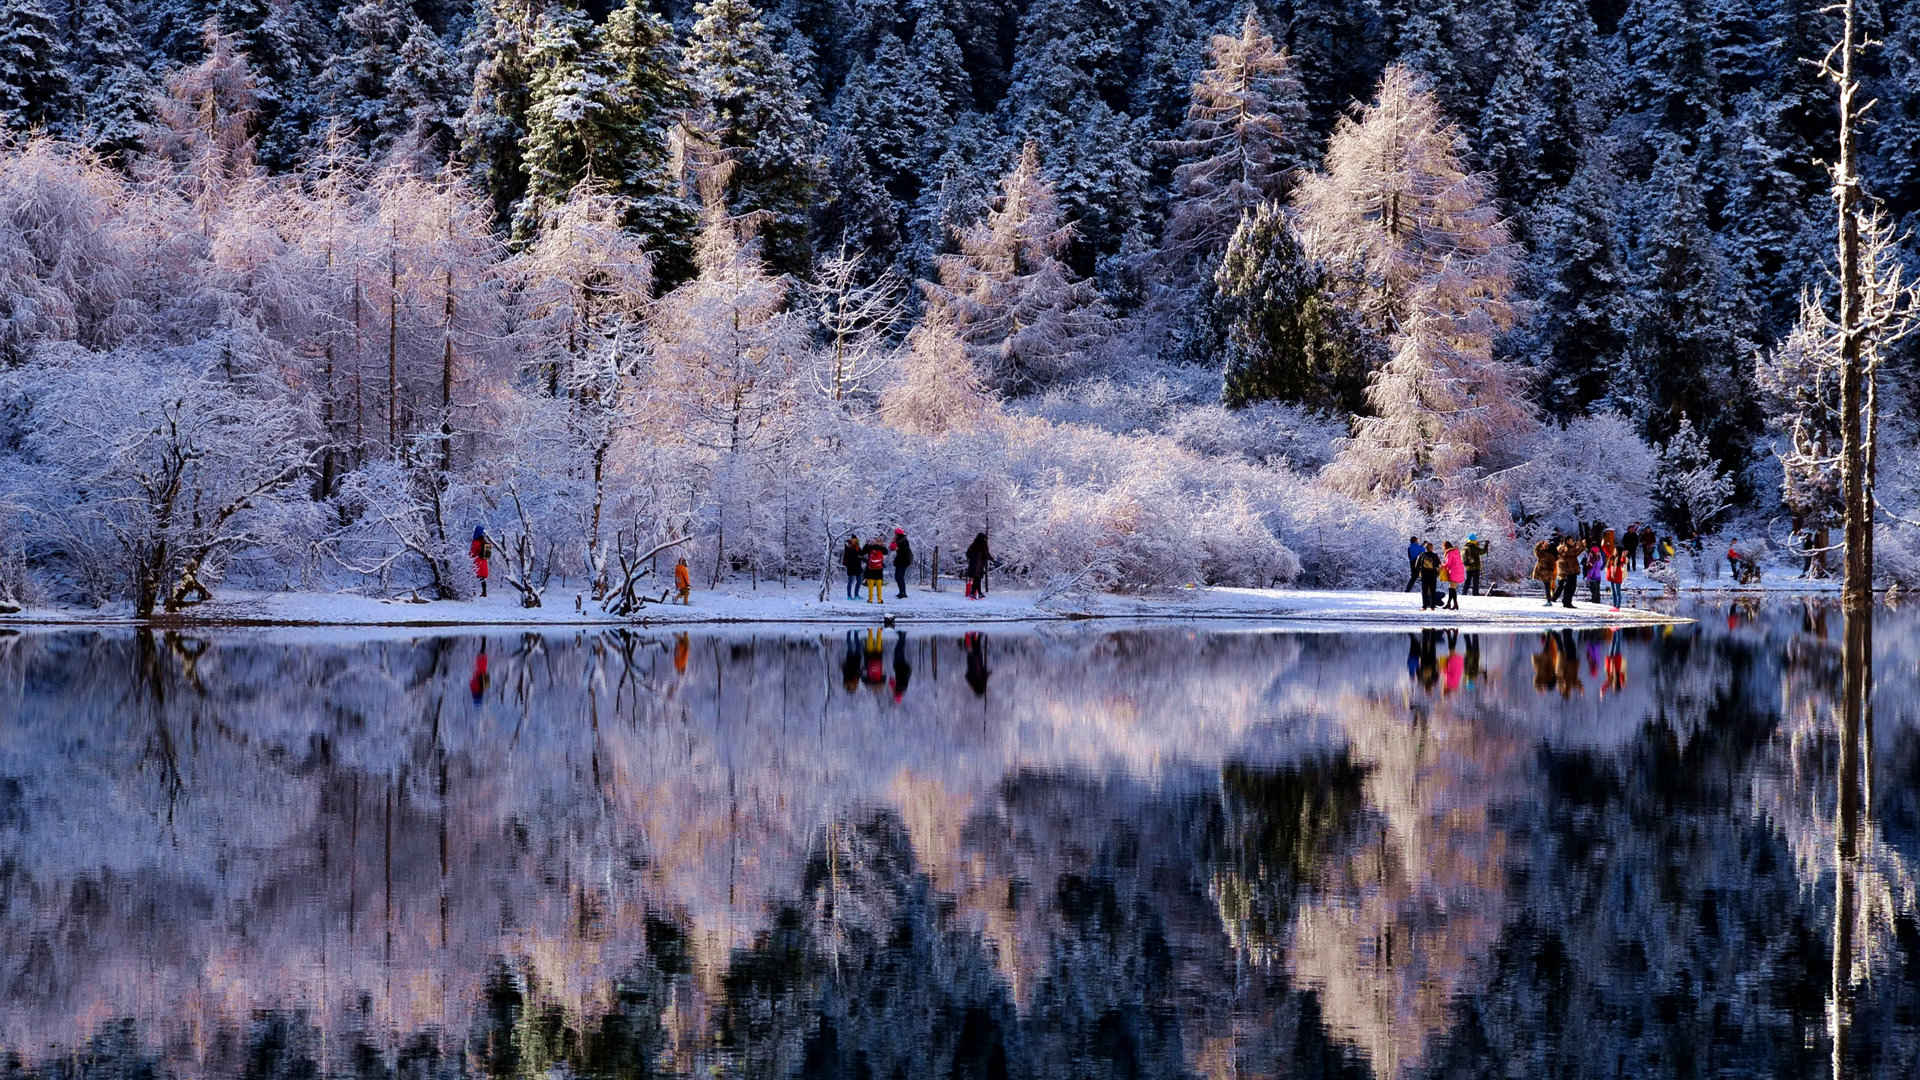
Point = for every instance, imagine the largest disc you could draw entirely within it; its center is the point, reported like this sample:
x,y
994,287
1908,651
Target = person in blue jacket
x,y
1415,549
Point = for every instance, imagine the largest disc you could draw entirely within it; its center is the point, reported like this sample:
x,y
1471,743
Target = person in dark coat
x,y
1646,546
851,562
977,559
1630,543
1545,554
902,559
1474,555
902,668
1428,567
1414,550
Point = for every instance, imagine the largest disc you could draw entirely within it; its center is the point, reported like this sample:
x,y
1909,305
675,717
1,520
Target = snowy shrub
x,y
1596,468
1266,433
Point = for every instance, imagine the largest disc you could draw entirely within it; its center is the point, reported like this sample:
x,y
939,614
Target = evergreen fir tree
x,y
270,37
753,114
601,103
1024,316
354,83
36,88
1663,47
1283,338
113,84
497,48
1245,136
1690,489
1340,48
1689,340
1576,342
424,90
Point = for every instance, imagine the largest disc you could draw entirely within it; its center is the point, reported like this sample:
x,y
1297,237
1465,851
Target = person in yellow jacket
x,y
683,581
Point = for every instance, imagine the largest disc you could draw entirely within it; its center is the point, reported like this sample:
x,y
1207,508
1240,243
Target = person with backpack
x,y
978,556
480,551
1456,569
902,560
874,568
1428,566
851,562
1474,557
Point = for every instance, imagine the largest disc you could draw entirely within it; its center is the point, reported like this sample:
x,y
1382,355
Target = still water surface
x,y
1065,852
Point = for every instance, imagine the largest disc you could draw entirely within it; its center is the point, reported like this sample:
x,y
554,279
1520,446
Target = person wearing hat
x,y
1473,554
480,551
902,559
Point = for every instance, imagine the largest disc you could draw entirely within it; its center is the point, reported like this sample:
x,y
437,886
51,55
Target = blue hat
x,y
1473,536
479,531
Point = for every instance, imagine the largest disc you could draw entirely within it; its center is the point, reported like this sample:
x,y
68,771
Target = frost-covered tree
x,y
1443,407
1024,316
1283,337
202,135
1244,137
939,388
1576,342
1690,489
858,322
425,90
1396,206
1799,383
497,49
36,88
753,115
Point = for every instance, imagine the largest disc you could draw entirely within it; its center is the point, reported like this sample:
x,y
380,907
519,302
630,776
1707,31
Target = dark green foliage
x,y
1283,338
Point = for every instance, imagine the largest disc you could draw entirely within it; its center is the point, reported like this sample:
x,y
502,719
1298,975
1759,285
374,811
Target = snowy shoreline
x,y
1304,609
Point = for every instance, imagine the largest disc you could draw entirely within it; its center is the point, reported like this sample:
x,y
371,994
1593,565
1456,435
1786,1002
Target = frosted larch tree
x,y
1395,204
1024,316
859,321
1245,136
939,389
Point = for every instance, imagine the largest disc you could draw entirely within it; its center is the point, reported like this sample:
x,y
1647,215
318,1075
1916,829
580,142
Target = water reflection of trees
x,y
1412,886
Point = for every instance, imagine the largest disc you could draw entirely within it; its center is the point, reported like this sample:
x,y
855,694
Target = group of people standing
x,y
867,563
1561,563
1458,565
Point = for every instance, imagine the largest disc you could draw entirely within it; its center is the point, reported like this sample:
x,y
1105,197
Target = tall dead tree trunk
x,y
1855,485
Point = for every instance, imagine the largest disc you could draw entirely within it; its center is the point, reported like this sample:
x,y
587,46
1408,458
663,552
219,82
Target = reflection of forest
x,y
1139,854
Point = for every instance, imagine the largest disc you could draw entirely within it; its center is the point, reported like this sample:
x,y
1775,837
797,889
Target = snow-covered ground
x,y
770,604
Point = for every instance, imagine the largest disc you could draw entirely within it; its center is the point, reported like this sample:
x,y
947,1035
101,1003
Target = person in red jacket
x,y
480,551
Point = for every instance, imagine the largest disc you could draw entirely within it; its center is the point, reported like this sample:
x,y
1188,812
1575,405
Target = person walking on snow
x,y
851,562
1543,560
1415,549
977,559
1428,566
1456,567
683,581
480,551
902,560
1596,569
874,564
1474,556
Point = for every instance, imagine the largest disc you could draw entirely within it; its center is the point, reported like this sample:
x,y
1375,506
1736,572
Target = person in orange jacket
x,y
682,580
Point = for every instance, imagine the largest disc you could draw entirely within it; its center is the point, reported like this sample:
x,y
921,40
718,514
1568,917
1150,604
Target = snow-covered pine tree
x,y
1283,338
1395,206
752,114
113,86
201,138
1690,340
1669,76
602,102
1576,342
1244,138
1690,488
36,88
860,213
270,36
1025,317
425,90
496,49
354,82
1162,92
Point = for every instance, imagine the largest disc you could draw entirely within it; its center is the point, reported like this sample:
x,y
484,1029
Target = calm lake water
x,y
1074,851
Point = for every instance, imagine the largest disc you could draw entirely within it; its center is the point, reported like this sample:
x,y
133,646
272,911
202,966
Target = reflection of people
x,y
850,663
1429,658
1616,667
1456,667
976,646
1570,683
1413,657
902,670
478,684
874,659
1473,660
681,646
1546,663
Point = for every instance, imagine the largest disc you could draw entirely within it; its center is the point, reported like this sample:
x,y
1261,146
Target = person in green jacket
x,y
1474,554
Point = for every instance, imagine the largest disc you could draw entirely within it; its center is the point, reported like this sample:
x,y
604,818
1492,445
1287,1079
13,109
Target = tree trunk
x,y
1857,590
393,340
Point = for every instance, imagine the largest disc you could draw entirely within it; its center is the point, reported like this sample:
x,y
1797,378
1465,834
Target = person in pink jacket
x,y
1455,569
